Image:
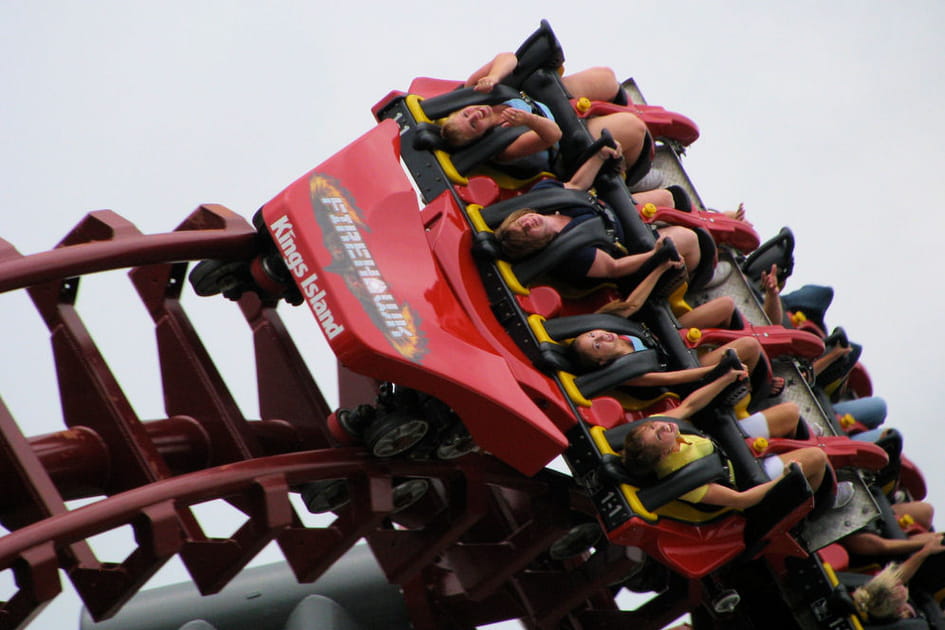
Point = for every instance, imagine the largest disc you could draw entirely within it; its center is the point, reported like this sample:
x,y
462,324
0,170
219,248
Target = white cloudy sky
x,y
820,116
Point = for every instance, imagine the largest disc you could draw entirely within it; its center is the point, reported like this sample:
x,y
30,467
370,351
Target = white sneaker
x,y
844,495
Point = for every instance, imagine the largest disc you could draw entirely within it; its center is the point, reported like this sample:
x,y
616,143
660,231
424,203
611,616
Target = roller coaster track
x,y
471,551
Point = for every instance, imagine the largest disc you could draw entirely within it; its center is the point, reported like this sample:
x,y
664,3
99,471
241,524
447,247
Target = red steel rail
x,y
471,552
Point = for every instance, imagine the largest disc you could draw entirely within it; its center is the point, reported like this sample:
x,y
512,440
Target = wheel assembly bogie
x,y
265,274
403,422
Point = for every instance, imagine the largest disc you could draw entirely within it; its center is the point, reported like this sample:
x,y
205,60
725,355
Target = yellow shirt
x,y
691,448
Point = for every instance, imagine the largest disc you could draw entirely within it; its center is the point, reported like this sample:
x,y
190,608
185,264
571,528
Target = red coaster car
x,y
398,296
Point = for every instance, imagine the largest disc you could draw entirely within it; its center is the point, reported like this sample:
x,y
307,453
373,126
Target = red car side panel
x,y
364,266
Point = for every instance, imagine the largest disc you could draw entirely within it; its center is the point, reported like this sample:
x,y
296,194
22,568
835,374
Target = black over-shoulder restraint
x,y
654,493
540,52
614,375
473,155
601,232
555,356
547,200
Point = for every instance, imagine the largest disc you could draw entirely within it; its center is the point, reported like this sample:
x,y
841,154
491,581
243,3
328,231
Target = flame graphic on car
x,y
344,233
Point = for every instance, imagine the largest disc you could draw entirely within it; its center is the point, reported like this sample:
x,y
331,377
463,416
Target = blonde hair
x,y
877,598
515,243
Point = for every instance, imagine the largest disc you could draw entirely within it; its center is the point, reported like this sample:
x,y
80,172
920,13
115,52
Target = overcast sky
x,y
820,116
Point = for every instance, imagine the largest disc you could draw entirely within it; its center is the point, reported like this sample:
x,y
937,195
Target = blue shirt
x,y
518,103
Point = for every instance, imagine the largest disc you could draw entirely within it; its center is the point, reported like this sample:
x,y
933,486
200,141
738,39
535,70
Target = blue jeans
x,y
868,436
869,411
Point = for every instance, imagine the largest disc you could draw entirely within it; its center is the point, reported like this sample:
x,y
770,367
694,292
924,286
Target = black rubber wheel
x,y
394,434
325,496
579,539
210,277
456,443
408,492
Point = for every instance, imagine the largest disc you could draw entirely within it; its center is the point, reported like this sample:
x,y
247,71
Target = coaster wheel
x,y
408,492
394,434
576,541
325,496
455,443
210,277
